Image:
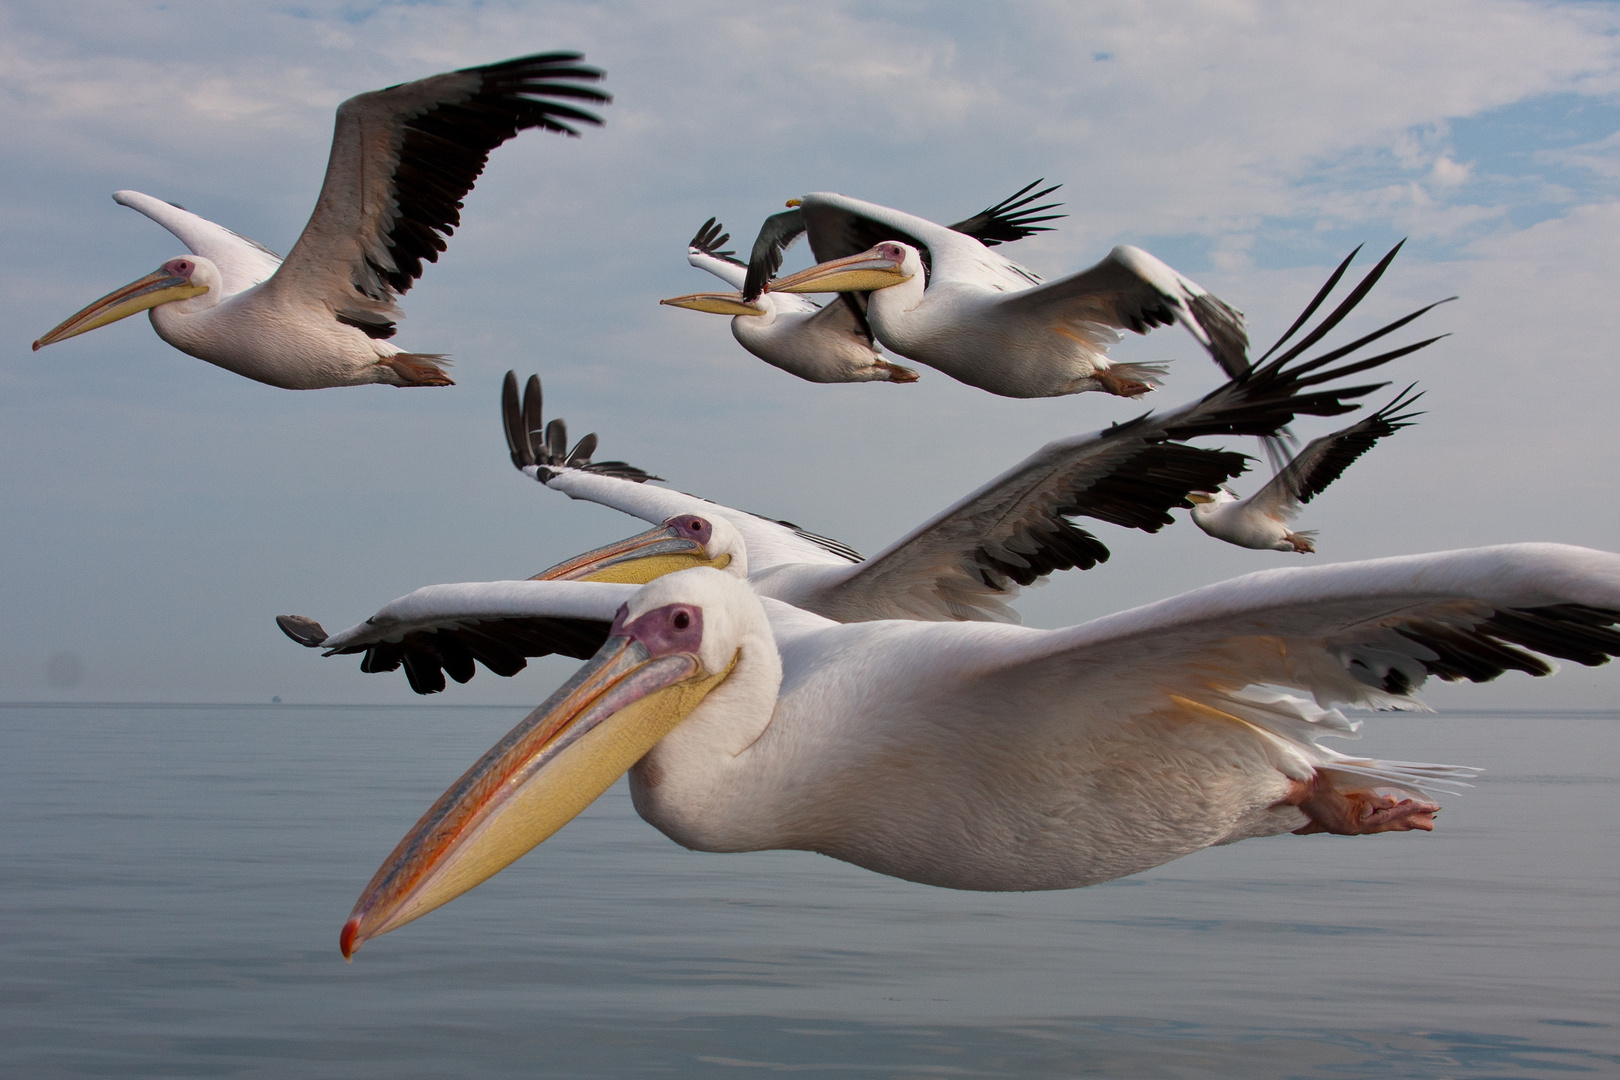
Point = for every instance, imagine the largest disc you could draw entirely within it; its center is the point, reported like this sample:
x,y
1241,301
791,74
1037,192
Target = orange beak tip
x,y
346,940
36,346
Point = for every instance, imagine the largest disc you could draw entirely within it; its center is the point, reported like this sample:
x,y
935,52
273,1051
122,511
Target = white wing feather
x,y
242,263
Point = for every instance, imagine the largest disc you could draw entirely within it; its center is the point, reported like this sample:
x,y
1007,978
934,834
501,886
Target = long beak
x,y
158,287
533,782
718,303
857,273
636,561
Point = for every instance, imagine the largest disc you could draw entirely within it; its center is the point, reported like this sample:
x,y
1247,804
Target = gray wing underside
x,y
1367,633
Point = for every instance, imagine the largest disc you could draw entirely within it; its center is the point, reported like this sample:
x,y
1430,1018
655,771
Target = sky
x,y
159,512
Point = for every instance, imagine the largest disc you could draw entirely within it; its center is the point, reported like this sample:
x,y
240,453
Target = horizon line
x,y
1431,711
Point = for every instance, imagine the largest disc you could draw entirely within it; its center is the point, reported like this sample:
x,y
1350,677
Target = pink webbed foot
x,y
1354,813
894,372
1120,386
418,369
1301,544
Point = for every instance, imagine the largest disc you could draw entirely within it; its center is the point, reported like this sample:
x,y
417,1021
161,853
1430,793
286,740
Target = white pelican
x,y
824,344
1261,520
829,344
402,160
985,756
946,300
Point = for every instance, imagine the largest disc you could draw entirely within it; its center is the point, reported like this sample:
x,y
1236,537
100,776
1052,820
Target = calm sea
x,y
173,879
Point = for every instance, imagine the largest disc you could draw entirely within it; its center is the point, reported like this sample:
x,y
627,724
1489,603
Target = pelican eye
x,y
681,620
694,526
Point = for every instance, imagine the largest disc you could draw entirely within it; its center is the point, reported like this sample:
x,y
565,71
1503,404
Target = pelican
x,y
833,343
829,344
1261,520
985,756
946,300
402,160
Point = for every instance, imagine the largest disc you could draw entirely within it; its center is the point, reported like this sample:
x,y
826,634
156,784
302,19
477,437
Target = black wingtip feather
x,y
534,442
306,631
1012,218
444,149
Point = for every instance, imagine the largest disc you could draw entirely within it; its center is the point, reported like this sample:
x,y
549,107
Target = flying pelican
x,y
829,344
1261,520
963,564
833,343
986,756
402,160
946,300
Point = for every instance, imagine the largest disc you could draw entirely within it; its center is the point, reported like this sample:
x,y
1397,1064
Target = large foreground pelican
x,y
830,344
946,300
402,160
985,756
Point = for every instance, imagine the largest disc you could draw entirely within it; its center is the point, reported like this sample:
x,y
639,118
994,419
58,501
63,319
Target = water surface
x,y
173,879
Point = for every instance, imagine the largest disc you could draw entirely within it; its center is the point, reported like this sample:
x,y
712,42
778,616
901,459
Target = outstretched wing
x,y
1132,290
402,160
242,263
1363,633
776,235
703,251
1367,633
1324,460
444,629
967,561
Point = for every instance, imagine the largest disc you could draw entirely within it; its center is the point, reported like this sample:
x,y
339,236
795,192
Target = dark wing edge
x,y
302,629
503,646
1012,218
710,238
1506,641
776,234
546,446
826,543
442,151
1324,460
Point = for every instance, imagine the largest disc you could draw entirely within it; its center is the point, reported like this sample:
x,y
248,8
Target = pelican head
x,y
1207,502
888,264
176,281
1215,498
718,303
676,642
681,543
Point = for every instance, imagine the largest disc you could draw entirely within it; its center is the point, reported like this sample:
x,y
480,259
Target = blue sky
x,y
160,511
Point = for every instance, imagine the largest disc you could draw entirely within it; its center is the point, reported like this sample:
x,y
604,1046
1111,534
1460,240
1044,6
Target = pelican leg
x,y
895,372
417,369
1122,380
1301,544
1354,813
